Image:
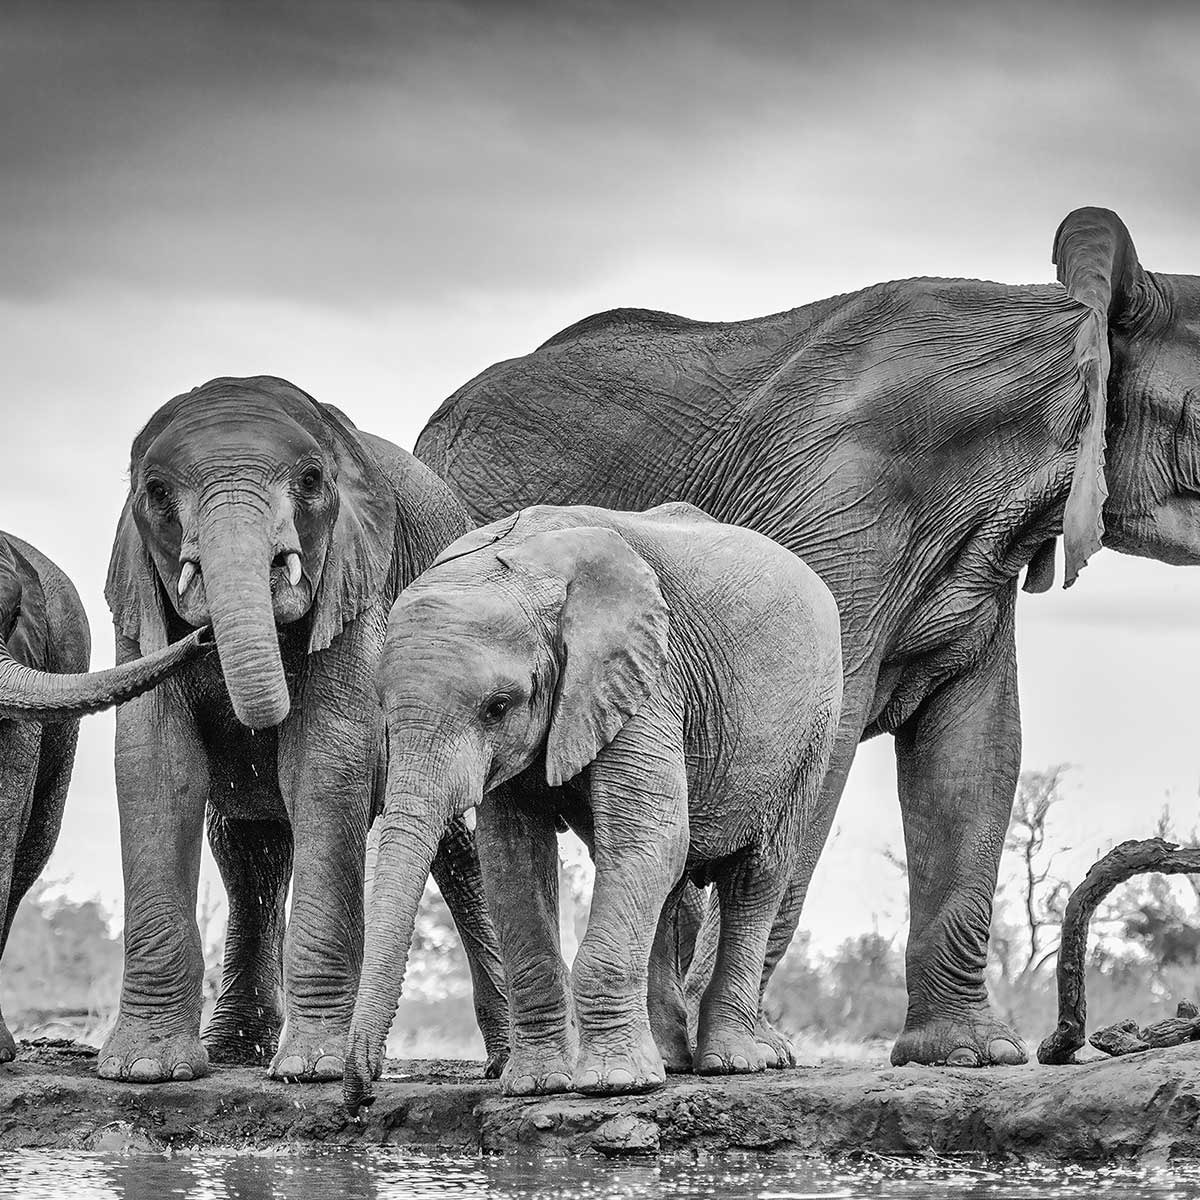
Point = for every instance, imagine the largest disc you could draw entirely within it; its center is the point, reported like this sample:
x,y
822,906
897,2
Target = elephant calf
x,y
668,686
44,643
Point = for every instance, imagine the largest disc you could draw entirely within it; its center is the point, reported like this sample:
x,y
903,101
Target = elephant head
x,y
251,506
1139,356
508,648
31,692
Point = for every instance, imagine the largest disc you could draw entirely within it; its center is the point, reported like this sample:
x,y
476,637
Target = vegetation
x,y
63,962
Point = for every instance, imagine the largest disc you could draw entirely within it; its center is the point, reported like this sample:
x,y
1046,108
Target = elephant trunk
x,y
29,695
235,557
409,834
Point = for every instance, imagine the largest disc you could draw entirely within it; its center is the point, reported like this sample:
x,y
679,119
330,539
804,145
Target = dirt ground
x,y
1145,1107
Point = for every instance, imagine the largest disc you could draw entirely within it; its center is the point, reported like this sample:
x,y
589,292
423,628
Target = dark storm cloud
x,y
371,153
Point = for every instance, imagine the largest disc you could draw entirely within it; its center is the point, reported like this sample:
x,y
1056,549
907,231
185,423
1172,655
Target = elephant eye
x,y
310,480
495,709
158,493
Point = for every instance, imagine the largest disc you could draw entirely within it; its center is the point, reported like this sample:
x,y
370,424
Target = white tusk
x,y
186,574
469,818
293,568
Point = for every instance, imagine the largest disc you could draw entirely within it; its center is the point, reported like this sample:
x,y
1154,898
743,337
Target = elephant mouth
x,y
290,591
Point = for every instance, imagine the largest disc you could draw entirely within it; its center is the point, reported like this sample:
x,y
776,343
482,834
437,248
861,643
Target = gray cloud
x,y
363,153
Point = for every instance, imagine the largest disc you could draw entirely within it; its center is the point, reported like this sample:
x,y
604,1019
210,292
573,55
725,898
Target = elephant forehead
x,y
229,428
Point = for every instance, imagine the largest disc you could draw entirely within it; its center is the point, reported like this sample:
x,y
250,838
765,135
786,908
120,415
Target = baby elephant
x,y
666,685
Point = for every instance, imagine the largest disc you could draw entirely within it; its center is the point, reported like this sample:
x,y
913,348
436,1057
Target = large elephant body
x,y
271,516
917,443
45,645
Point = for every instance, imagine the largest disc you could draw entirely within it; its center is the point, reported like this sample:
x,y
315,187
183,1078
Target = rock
x,y
1187,1008
627,1135
1120,1038
1172,1031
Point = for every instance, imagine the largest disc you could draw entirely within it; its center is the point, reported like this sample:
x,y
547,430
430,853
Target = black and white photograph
x,y
594,599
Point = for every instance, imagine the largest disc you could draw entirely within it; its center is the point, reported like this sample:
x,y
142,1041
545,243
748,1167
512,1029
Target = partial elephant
x,y
918,443
45,645
669,687
255,508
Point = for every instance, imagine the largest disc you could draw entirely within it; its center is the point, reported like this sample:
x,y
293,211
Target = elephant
x,y
45,687
668,686
918,443
256,509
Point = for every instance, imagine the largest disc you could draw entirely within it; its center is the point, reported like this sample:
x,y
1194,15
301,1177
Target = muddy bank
x,y
1145,1106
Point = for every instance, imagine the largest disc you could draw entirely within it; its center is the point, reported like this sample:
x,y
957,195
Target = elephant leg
x,y
457,873
857,698
957,763
749,891
518,855
255,861
669,956
19,753
162,788
330,751
639,809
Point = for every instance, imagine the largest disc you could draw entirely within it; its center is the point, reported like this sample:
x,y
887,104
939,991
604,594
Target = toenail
x,y
146,1070
328,1065
962,1057
292,1067
1002,1050
183,1071
557,1082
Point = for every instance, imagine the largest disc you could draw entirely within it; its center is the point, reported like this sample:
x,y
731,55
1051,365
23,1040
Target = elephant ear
x,y
22,609
131,589
363,549
612,638
1098,266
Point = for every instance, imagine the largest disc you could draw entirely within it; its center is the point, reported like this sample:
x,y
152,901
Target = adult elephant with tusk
x,y
256,509
45,645
918,443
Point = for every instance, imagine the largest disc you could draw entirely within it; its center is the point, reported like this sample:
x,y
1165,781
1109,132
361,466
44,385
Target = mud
x,y
1143,1107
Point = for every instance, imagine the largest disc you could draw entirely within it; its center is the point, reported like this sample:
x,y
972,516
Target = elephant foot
x,y
135,1053
310,1057
729,1052
776,1048
536,1071
496,1062
241,1034
671,1038
974,1039
8,1045
619,1067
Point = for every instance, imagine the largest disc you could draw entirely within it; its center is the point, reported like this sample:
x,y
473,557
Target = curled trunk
x,y
29,695
235,557
408,839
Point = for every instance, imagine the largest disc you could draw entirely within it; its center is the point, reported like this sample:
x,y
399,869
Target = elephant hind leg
x,y
670,956
750,887
255,861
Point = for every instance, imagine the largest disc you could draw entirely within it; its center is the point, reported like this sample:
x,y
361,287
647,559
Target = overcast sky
x,y
378,200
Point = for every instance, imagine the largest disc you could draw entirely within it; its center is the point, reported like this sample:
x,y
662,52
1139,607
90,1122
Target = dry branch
x,y
1118,865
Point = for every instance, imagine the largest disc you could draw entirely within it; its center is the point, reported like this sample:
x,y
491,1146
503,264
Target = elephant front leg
x,y
639,807
327,783
518,854
19,744
255,861
457,873
957,765
162,787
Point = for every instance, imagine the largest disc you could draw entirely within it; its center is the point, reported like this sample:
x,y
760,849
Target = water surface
x,y
398,1175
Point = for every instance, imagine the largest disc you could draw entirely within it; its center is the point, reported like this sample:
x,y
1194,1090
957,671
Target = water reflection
x,y
392,1175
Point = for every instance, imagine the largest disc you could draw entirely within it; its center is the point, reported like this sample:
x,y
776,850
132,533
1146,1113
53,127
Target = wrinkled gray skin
x,y
257,509
670,688
45,646
918,443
